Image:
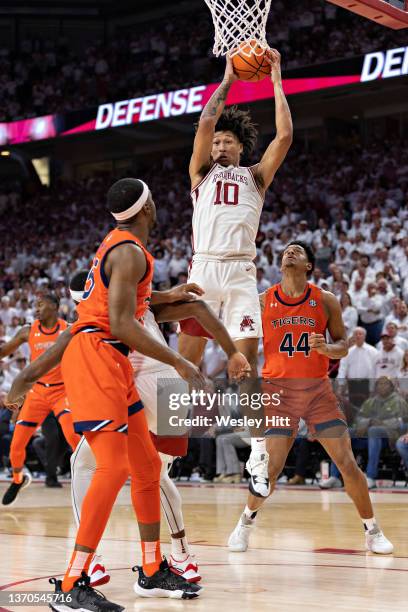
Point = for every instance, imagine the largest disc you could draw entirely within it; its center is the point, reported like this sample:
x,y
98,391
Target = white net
x,y
239,21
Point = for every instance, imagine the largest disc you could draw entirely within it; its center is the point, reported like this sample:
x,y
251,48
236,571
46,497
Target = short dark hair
x,y
307,249
51,297
240,124
123,194
77,282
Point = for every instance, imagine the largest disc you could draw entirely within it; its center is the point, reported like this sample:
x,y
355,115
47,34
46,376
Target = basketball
x,y
254,67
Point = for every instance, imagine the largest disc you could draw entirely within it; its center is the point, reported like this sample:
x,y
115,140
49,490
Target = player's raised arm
x,y
12,345
126,265
201,158
38,368
338,347
277,150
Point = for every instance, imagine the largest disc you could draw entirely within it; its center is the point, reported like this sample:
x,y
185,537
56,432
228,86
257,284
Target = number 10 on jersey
x,y
227,193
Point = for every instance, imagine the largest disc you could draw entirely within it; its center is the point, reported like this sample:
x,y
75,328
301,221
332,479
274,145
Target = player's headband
x,y
135,208
76,295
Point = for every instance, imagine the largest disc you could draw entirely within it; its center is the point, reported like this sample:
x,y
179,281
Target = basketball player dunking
x,y
48,395
296,316
228,200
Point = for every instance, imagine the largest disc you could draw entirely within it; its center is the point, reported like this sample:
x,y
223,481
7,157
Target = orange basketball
x,y
252,68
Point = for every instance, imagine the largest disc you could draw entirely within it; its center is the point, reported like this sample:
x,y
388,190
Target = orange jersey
x,y
93,309
287,323
40,340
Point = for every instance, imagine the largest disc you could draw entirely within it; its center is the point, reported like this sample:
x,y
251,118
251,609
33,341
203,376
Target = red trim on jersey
x,y
203,179
255,183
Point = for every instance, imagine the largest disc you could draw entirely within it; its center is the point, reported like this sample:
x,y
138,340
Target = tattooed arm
x,y
201,158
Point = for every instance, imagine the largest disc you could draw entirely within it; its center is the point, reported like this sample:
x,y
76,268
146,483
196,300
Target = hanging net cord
x,y
238,21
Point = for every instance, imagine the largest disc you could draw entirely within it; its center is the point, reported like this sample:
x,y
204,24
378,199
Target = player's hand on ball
x,y
229,74
274,58
238,367
317,342
190,372
187,292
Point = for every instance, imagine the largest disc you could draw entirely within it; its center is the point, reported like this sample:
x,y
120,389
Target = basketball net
x,y
238,21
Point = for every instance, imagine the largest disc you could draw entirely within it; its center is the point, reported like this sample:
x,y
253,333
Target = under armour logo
x,y
274,304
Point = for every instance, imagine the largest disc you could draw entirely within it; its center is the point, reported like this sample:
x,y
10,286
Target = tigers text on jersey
x,y
142,364
287,323
40,339
93,310
227,208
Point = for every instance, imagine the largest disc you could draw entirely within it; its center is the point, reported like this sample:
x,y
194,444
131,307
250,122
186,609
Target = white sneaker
x,y
97,572
377,542
257,467
371,483
188,568
331,483
239,538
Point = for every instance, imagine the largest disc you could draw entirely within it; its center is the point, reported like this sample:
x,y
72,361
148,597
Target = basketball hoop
x,y
238,21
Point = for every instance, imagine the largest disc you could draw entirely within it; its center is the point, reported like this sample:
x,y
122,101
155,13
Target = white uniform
x,y
149,371
227,209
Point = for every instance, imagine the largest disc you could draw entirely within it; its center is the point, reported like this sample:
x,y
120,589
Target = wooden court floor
x,y
307,552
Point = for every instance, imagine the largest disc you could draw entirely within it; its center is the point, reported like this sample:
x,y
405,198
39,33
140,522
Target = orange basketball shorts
x,y
40,401
314,402
98,379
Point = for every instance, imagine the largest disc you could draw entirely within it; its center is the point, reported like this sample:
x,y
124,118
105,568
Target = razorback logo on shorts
x,y
247,322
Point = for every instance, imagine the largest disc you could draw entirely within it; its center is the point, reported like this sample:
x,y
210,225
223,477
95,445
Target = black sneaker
x,y
10,495
82,597
164,583
52,482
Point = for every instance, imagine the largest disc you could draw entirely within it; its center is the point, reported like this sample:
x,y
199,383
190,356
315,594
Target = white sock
x,y
258,445
250,514
369,524
179,548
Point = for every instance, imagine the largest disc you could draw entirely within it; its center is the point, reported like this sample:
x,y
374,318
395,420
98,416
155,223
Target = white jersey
x,y
227,208
142,364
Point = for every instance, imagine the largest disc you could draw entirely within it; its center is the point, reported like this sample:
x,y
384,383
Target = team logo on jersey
x,y
313,303
274,304
247,322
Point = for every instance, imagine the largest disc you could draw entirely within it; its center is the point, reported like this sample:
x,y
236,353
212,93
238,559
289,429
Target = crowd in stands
x,y
46,76
351,205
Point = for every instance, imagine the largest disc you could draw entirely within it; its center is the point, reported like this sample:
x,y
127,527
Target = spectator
x,y
350,314
391,329
358,368
177,265
389,359
324,254
228,466
402,448
377,425
371,309
261,283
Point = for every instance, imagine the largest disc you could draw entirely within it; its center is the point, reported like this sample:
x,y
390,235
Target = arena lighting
x,y
5,153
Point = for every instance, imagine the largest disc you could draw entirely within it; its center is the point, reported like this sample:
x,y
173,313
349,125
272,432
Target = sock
x,y
18,477
79,563
258,445
179,548
369,524
250,514
151,557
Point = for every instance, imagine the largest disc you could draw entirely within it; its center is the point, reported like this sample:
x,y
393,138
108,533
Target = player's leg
x,y
180,559
64,417
337,444
193,338
277,447
32,414
242,317
83,466
155,578
192,347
